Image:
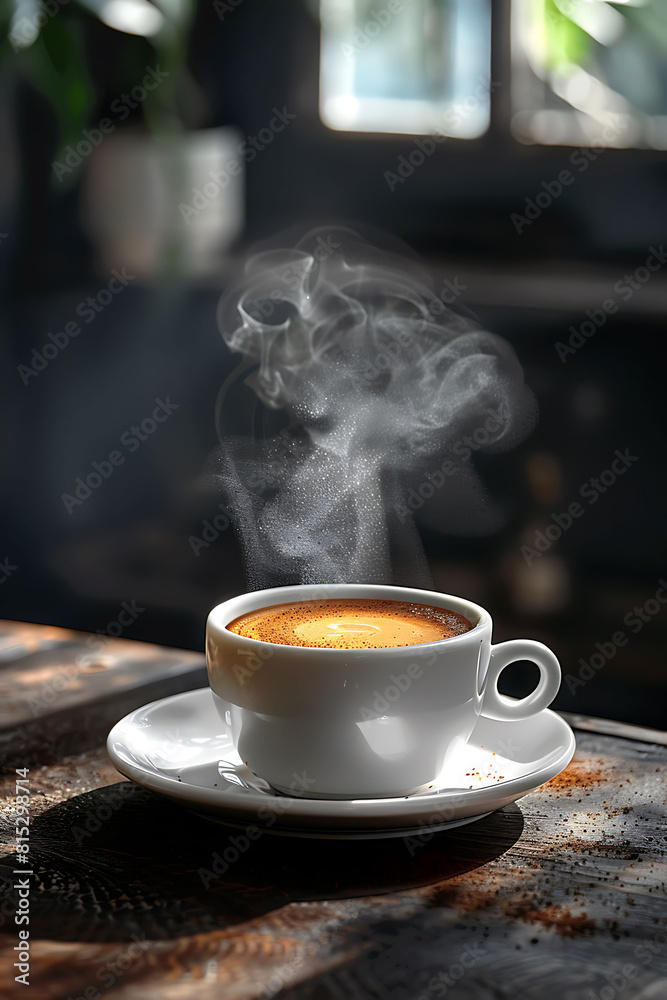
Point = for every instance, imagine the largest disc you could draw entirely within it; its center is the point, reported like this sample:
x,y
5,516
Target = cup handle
x,y
497,706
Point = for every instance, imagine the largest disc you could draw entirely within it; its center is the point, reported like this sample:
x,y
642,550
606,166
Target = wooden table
x,y
561,895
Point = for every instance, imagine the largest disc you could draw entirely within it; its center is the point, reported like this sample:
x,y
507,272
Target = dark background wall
x,y
131,539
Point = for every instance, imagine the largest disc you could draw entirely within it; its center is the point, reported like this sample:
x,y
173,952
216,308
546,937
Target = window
x,y
582,71
414,66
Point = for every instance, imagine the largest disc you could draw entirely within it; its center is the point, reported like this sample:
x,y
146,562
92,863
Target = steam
x,y
378,384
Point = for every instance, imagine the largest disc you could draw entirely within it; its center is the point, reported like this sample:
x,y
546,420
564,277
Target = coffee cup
x,y
362,723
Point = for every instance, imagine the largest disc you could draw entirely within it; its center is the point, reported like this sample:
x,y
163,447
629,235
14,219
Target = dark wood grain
x,y
61,691
560,895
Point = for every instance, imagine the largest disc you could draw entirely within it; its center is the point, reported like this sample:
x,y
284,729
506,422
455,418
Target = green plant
x,y
47,42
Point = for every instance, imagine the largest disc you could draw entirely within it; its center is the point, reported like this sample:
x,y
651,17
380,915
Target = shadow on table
x,y
120,860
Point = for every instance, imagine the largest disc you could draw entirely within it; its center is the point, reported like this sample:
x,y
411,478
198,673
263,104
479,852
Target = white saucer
x,y
178,747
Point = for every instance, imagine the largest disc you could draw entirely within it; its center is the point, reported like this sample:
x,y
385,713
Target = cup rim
x,y
229,610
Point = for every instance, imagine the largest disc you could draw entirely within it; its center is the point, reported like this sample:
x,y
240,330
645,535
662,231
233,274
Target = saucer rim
x,y
485,799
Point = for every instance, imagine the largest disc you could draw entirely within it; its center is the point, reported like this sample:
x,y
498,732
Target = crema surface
x,y
350,623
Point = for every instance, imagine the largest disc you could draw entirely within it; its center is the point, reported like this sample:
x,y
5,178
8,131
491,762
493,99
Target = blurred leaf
x,y
565,43
73,94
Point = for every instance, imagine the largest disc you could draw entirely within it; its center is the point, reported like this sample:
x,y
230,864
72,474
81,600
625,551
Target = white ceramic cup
x,y
362,723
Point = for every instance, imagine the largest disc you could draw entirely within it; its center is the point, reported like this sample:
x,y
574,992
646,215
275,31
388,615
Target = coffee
x,y
350,623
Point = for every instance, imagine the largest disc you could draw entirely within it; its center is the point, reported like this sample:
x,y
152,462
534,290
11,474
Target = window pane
x,y
415,66
586,71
